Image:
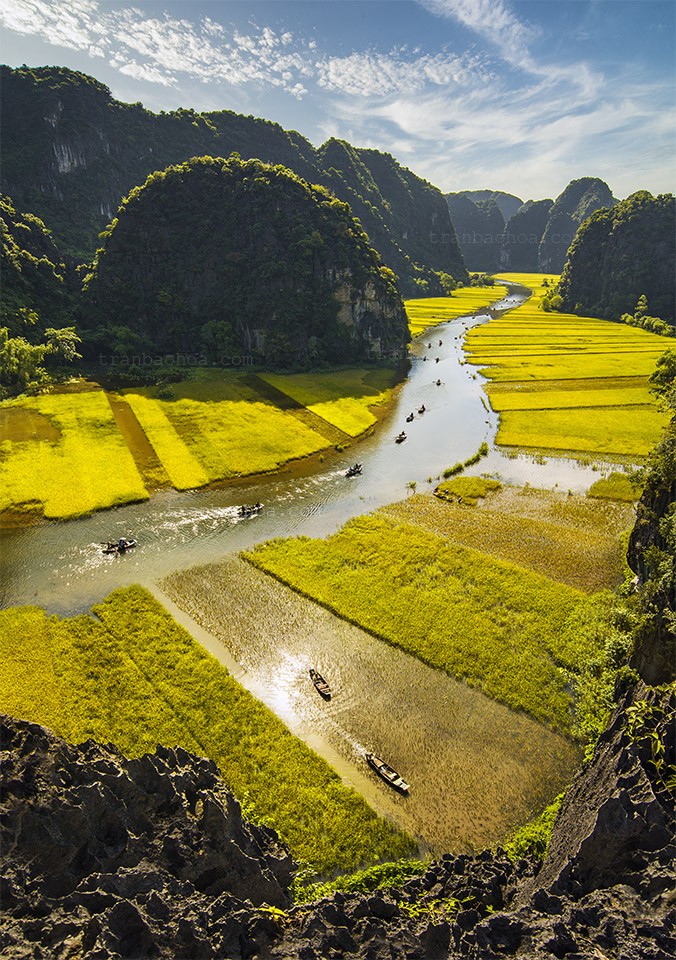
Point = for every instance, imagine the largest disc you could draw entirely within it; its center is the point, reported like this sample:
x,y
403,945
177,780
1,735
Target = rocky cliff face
x,y
104,858
239,257
578,201
70,152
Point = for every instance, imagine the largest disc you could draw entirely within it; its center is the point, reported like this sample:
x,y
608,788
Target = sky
x,y
514,95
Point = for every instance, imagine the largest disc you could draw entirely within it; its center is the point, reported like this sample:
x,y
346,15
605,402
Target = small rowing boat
x,y
119,546
388,774
320,683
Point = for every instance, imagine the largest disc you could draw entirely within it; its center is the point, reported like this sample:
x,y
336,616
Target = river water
x,y
477,768
59,566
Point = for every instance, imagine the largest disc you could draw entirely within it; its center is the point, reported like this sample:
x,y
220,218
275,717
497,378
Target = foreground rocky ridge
x,y
107,857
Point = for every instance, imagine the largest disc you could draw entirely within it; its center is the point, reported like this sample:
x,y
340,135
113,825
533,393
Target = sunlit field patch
x,y
135,678
616,431
498,626
566,383
74,462
564,537
343,398
219,427
463,302
616,486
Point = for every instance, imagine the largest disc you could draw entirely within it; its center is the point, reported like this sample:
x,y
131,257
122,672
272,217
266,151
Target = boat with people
x,y
410,417
354,470
320,683
251,510
421,409
438,382
119,546
388,773
400,437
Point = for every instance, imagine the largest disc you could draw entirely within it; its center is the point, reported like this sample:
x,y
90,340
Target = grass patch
x,y
380,877
566,383
136,678
466,490
616,486
343,398
498,626
63,455
465,301
532,839
470,461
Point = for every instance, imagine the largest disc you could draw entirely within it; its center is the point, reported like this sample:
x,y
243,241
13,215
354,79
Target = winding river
x,y
477,768
59,566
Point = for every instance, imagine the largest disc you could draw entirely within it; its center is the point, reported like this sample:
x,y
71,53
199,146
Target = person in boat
x,y
121,544
440,342
421,409
438,383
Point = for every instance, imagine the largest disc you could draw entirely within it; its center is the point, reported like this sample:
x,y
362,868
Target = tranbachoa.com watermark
x,y
172,360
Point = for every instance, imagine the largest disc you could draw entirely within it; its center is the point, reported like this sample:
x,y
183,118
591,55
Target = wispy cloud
x,y
376,74
162,49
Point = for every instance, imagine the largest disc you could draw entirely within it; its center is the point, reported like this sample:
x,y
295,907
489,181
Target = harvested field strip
x,y
584,558
148,463
496,625
134,677
184,471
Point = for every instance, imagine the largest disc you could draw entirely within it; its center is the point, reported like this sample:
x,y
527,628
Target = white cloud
x,y
374,74
168,48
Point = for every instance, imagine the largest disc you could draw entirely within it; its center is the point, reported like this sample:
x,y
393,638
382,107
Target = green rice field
x,y
463,302
567,384
132,676
497,625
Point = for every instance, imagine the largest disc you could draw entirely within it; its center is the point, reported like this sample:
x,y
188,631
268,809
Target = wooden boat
x,y
353,471
410,418
320,683
400,438
119,546
250,511
421,409
389,775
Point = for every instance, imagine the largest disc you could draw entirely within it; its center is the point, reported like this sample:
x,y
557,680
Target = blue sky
x,y
516,95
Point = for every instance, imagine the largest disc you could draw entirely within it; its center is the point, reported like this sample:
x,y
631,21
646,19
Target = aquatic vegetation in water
x,y
73,459
134,677
616,486
496,625
466,490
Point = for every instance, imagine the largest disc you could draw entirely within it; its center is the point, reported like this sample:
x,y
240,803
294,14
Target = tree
x,y
663,380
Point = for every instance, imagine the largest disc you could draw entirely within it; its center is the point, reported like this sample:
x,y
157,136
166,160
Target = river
x,y
59,566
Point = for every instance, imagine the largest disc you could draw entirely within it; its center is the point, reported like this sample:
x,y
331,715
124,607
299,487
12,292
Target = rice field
x,y
63,456
218,427
342,398
499,626
463,302
564,537
132,676
564,383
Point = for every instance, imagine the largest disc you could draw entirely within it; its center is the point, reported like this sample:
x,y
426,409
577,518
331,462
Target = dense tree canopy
x,y
229,257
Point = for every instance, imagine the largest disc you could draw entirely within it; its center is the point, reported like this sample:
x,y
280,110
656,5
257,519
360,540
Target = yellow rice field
x,y
430,311
564,383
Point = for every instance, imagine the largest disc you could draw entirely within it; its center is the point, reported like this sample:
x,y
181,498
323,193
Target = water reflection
x,y
476,768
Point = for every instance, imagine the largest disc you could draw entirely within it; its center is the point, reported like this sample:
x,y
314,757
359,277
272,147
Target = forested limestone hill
x,y
621,254
70,152
226,257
